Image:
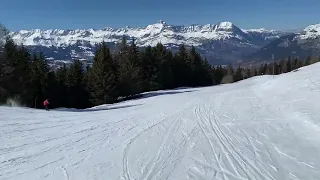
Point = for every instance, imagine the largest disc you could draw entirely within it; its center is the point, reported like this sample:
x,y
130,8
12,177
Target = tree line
x,y
116,75
113,76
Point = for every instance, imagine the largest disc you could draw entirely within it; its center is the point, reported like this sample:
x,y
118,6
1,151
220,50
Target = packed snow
x,y
149,35
262,128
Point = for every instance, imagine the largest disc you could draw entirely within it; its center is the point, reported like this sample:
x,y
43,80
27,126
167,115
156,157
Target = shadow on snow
x,y
98,108
115,106
153,94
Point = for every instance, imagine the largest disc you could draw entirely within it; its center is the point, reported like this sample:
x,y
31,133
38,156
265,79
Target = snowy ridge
x,y
262,128
149,35
311,32
302,44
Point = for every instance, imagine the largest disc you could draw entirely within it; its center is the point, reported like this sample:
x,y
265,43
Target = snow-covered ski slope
x,y
257,129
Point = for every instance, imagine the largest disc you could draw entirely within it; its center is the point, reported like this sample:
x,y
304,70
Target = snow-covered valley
x,y
262,128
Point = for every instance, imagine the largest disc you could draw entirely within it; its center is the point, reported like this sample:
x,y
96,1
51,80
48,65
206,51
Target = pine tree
x,y
275,68
39,79
261,70
130,79
77,95
19,83
164,60
308,61
102,78
229,77
299,64
282,66
5,69
61,93
206,77
199,68
238,75
267,69
217,74
289,64
150,69
182,68
246,73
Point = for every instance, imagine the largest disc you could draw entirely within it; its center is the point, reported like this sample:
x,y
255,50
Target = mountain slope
x,y
259,128
214,41
306,43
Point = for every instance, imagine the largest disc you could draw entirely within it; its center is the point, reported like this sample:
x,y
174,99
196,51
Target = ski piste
x,y
262,128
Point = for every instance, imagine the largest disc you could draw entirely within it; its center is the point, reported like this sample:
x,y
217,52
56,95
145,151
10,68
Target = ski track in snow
x,y
262,128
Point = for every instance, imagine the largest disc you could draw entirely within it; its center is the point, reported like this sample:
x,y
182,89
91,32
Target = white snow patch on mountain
x,y
261,128
225,25
311,32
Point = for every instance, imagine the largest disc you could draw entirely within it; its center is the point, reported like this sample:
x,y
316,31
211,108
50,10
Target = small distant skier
x,y
46,104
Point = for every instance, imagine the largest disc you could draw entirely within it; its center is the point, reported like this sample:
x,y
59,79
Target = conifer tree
x,y
164,59
182,67
149,70
205,77
61,86
299,64
130,76
229,77
18,61
76,91
308,61
261,70
238,75
102,78
5,69
283,66
289,64
39,79
217,74
267,69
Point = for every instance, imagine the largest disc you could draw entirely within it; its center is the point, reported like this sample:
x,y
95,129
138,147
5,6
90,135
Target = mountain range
x,y
221,43
303,44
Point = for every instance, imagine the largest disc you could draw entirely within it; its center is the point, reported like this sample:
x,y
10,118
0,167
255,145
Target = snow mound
x,y
262,128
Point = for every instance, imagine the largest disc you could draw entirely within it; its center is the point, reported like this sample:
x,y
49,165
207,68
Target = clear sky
x,y
84,14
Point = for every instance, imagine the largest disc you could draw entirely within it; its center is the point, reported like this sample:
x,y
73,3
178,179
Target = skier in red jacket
x,y
46,104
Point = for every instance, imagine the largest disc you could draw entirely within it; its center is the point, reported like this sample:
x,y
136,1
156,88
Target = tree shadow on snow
x,y
153,94
137,97
98,108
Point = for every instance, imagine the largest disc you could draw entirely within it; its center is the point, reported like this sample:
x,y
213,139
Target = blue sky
x,y
84,14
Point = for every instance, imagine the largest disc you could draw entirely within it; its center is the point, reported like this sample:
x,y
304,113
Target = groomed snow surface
x,y
257,129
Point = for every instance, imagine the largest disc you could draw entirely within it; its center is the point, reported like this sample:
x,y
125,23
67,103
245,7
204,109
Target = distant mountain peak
x,y
311,32
313,27
225,25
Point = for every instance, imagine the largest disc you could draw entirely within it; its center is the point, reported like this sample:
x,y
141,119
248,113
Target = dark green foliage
x,y
289,65
149,68
217,74
16,73
238,75
130,75
75,86
308,61
61,86
102,78
164,74
39,79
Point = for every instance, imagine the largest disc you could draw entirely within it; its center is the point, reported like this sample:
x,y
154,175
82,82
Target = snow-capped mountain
x,y
305,43
215,41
